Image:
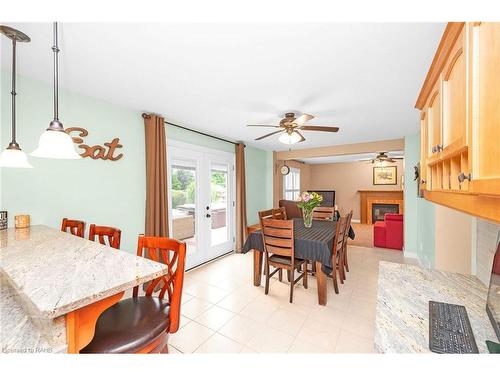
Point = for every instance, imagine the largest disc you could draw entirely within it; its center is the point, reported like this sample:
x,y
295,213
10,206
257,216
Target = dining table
x,y
314,244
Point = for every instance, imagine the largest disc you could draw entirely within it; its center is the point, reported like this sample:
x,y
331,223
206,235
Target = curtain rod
x,y
144,115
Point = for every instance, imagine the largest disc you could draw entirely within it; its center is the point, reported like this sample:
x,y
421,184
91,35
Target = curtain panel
x,y
241,205
156,223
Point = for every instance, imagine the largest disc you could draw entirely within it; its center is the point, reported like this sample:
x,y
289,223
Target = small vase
x,y
307,215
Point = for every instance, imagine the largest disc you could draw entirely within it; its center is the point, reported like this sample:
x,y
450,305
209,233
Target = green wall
x,y
97,191
419,220
259,182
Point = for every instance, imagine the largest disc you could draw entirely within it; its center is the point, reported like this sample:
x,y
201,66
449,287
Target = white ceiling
x,y
217,78
349,158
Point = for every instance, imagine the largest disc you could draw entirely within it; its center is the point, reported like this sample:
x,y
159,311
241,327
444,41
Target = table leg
x,y
321,280
80,324
257,267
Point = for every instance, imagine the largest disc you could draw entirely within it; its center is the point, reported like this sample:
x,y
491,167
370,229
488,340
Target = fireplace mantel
x,y
370,197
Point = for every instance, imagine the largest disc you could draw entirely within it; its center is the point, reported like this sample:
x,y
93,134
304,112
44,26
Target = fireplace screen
x,y
380,209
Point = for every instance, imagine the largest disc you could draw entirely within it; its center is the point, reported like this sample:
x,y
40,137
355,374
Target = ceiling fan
x,y
290,126
382,157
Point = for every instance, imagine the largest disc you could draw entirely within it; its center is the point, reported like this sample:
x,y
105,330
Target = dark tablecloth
x,y
314,244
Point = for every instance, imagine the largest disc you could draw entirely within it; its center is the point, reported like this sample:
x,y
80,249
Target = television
x,y
493,300
328,197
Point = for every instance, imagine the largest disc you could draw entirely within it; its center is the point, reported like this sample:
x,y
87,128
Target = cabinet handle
x,y
462,177
433,149
423,182
439,148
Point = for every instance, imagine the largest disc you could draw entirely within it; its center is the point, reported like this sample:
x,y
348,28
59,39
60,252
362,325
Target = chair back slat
x,y
172,253
277,236
74,227
108,236
273,213
338,240
324,213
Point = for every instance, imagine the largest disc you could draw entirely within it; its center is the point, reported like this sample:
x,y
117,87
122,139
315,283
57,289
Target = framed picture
x,y
385,175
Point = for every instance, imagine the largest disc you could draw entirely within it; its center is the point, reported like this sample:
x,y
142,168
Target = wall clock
x,y
285,169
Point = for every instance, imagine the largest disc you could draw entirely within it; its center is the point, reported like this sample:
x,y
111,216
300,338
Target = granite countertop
x,y
56,272
404,292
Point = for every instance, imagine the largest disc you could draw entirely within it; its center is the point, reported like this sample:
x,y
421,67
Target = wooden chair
x,y
113,235
74,227
348,225
143,324
280,252
324,213
337,247
278,214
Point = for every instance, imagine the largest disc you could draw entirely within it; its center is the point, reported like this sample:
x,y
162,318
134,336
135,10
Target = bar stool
x,y
143,324
74,227
113,235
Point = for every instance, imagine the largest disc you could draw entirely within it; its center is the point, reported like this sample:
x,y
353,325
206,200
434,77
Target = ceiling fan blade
x,y
302,139
266,126
268,135
332,129
302,119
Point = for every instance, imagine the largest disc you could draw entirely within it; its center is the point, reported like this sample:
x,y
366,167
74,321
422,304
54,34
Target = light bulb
x,y
289,139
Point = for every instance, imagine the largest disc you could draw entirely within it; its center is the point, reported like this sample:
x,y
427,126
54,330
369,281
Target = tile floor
x,y
222,312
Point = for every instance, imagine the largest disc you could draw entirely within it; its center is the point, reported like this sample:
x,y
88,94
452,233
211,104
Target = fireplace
x,y
380,209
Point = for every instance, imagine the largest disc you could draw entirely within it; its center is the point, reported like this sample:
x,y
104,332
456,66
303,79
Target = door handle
x,y
207,215
462,177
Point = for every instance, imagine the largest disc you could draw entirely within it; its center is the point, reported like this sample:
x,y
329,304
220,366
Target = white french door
x,y
201,200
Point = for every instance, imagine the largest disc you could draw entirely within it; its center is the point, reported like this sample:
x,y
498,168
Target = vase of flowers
x,y
308,201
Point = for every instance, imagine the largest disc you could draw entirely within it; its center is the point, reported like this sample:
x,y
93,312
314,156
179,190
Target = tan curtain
x,y
156,176
241,200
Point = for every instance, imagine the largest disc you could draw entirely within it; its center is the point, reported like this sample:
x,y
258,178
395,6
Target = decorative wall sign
x,y
105,152
385,175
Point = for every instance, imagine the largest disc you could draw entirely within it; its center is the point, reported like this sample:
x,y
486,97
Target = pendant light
x,y
13,156
289,138
54,142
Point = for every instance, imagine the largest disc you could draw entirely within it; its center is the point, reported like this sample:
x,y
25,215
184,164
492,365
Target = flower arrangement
x,y
308,201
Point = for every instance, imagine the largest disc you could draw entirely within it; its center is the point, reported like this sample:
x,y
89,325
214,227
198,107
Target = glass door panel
x,y
219,229
183,202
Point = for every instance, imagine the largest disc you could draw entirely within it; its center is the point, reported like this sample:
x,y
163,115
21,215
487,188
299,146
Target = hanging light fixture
x,y
13,156
54,142
289,138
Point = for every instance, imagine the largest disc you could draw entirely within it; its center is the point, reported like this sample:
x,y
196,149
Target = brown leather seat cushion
x,y
129,325
292,210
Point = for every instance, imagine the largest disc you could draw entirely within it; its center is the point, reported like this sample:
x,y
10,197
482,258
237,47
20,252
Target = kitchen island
x,y
55,285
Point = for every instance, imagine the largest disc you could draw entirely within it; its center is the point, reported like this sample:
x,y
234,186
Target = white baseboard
x,y
357,221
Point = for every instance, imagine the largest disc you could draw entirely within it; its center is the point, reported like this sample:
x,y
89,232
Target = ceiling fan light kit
x,y
54,143
13,156
290,125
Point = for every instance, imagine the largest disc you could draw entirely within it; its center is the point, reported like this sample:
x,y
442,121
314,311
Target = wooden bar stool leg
x,y
305,274
334,277
267,276
292,283
280,275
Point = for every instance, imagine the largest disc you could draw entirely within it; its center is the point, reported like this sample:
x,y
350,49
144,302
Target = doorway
x,y
201,200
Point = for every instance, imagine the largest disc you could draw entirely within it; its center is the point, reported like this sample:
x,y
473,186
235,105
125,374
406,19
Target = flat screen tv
x,y
328,197
493,301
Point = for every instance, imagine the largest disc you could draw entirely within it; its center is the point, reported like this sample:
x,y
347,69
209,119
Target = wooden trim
x,y
345,149
450,35
485,207
486,186
452,64
80,324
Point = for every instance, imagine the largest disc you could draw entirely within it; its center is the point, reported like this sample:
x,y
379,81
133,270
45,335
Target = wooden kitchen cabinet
x,y
459,107
484,118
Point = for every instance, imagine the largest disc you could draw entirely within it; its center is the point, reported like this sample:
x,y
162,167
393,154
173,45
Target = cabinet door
x,y
423,151
434,122
454,127
485,102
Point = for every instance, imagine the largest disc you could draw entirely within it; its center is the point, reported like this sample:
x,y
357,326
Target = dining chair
x,y
74,227
280,252
348,226
142,324
278,214
113,235
337,247
324,213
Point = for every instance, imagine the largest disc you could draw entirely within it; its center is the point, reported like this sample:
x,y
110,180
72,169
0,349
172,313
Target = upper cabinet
x,y
484,39
459,107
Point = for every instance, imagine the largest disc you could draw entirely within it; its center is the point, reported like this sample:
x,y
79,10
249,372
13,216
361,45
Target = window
x,y
291,184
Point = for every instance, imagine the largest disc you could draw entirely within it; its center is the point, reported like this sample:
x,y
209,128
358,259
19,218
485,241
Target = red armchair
x,y
389,233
